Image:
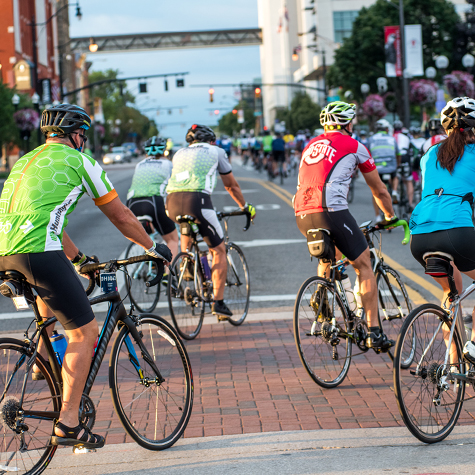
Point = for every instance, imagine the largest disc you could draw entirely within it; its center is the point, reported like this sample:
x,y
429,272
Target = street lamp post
x,y
405,88
441,63
35,98
15,101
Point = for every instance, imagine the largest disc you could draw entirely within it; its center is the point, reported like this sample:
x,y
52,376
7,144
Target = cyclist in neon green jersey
x,y
42,189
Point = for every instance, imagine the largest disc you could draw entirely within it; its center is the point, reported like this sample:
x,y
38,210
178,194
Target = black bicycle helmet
x,y
155,145
398,125
64,119
200,133
434,125
458,113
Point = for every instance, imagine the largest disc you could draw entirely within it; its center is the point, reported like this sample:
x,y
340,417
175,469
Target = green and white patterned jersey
x,y
195,167
42,189
150,178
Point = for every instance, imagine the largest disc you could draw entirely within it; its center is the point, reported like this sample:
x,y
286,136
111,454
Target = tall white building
x,y
290,28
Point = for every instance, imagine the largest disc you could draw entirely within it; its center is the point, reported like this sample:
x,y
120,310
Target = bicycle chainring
x,y
88,415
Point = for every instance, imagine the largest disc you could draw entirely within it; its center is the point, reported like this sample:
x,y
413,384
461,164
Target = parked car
x,y
132,148
116,155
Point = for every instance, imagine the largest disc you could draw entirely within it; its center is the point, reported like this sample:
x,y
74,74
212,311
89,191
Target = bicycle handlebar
x,y
90,269
401,222
237,212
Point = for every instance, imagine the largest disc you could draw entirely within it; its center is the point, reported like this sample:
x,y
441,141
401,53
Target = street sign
x,y
22,71
45,88
240,116
333,98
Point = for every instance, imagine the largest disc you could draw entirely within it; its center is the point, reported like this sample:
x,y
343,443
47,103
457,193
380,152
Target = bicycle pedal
x,y
82,450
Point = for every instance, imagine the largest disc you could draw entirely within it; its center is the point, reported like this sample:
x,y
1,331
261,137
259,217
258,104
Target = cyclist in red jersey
x,y
327,165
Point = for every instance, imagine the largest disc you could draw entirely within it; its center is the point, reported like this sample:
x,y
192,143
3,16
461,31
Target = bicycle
x,y
326,327
430,392
192,288
152,394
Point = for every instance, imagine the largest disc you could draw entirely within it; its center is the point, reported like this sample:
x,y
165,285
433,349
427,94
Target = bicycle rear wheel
x,y
144,298
155,414
237,291
28,451
429,405
184,293
394,307
324,349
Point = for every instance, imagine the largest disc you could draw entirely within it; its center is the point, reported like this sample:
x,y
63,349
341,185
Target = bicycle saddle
x,y
13,283
185,218
438,264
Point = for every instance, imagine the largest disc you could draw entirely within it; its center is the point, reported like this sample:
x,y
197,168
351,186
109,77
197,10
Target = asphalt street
x,y
274,248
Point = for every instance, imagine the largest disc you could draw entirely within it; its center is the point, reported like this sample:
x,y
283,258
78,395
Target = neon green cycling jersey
x,y
267,143
43,187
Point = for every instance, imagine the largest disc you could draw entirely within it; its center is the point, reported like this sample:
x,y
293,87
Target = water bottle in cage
x,y
350,296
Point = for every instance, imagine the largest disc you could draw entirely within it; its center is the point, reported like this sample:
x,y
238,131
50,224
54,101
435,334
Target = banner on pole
x,y
413,40
392,49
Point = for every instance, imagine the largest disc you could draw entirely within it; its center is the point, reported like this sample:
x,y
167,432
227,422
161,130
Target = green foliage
x,y
303,114
118,106
8,129
361,58
229,125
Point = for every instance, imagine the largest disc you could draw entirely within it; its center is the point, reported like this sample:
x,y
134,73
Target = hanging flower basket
x,y
423,92
26,119
460,84
374,106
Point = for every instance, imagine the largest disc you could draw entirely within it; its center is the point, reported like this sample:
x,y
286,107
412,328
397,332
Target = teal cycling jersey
x,y
150,178
195,168
42,189
446,197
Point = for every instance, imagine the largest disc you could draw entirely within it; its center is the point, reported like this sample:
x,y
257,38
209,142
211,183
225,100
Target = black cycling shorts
x,y
344,231
153,207
458,242
279,156
199,205
384,180
53,277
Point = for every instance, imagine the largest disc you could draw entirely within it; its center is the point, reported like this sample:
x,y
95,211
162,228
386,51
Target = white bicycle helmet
x,y
382,124
459,112
337,114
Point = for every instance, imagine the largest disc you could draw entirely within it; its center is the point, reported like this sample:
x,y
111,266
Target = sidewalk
x,y
332,452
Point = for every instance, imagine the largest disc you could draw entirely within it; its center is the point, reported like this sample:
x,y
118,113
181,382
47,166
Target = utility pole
x,y
35,54
405,89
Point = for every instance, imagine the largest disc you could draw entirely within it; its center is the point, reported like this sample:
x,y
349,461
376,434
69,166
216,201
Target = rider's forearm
x,y
69,247
236,194
384,202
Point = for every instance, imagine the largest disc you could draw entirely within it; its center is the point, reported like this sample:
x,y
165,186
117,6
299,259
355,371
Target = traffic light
x,y
165,83
211,92
257,92
180,83
142,87
234,111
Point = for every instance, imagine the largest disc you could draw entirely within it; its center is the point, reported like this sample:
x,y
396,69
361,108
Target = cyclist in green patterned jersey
x,y
147,193
42,189
193,179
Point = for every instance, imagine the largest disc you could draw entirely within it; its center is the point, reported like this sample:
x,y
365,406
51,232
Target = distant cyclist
x,y
326,168
147,193
442,221
43,188
193,180
278,154
405,159
437,134
384,150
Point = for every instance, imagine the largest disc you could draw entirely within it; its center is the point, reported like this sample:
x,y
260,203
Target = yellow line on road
x,y
415,296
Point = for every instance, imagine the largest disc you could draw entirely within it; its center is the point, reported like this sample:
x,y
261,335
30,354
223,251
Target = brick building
x,y
17,56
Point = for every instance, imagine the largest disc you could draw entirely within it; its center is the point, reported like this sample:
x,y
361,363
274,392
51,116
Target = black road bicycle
x,y
192,289
150,378
325,327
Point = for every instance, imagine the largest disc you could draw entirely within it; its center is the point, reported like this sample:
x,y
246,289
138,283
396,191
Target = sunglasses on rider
x,y
82,136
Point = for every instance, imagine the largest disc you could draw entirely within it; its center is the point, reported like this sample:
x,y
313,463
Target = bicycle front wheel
x,y
321,332
184,291
144,298
153,398
394,307
237,290
428,401
25,437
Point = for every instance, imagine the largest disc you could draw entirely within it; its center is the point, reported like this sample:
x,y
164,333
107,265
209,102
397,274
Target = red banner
x,y
392,48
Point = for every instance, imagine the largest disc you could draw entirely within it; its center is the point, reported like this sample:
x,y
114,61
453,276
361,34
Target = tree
x,y
303,113
8,129
361,58
229,125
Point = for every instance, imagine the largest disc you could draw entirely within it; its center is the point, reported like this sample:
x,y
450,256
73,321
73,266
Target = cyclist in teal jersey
x,y
147,193
189,189
42,189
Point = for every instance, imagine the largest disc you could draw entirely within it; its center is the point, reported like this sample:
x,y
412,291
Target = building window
x,y
342,24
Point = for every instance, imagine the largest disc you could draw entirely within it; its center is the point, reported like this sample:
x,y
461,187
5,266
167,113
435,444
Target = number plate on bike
x,y
108,282
20,302
386,176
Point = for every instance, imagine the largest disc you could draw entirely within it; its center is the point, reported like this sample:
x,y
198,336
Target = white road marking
x,y
268,242
226,193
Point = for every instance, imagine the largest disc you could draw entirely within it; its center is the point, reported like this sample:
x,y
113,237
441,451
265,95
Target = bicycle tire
x,y
311,320
424,375
185,300
237,277
145,299
31,456
391,292
140,410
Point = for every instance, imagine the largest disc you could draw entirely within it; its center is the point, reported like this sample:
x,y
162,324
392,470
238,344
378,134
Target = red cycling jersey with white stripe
x,y
327,165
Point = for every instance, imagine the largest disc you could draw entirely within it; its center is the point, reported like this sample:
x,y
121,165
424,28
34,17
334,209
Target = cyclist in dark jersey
x,y
147,193
42,189
327,165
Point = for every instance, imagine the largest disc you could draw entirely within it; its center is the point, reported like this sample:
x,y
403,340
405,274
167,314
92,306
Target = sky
x,y
205,65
